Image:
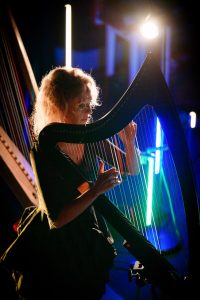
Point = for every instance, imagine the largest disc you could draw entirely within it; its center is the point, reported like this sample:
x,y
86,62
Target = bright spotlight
x,y
149,29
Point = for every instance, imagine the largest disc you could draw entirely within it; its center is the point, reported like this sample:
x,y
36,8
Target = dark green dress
x,y
65,263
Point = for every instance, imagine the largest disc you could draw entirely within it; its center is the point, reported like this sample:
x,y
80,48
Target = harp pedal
x,y
136,271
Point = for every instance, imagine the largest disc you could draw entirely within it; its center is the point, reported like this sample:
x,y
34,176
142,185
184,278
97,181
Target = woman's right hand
x,y
106,180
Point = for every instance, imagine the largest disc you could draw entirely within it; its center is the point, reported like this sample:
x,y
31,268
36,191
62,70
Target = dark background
x,y
42,27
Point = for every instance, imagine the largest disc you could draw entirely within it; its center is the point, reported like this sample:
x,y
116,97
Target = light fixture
x,y
149,29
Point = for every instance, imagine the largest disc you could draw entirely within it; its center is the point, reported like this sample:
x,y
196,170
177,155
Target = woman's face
x,y
79,111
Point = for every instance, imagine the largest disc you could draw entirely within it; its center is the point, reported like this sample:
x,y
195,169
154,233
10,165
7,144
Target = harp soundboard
x,y
16,171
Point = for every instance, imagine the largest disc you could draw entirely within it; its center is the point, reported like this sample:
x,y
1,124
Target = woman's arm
x,y
106,180
127,136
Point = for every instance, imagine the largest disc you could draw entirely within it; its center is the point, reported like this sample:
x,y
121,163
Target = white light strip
x,y
149,191
68,36
193,119
158,145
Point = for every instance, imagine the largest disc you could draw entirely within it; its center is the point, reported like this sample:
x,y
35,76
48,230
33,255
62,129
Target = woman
x,y
77,253
69,96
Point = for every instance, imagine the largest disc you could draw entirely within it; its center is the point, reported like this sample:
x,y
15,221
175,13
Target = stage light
x,y
149,29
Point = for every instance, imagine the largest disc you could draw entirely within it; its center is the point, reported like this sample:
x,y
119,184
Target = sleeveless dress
x,y
71,262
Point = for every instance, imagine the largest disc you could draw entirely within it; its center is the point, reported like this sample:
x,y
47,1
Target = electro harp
x,y
156,210
18,88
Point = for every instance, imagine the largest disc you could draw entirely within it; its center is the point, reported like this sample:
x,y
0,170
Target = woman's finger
x,y
101,167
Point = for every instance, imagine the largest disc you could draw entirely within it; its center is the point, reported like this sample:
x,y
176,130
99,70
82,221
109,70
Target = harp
x,y
159,205
146,99
17,88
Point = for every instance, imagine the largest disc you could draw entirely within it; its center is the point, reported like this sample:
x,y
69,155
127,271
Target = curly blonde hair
x,y
57,87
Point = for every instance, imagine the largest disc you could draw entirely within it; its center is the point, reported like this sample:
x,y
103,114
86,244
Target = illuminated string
x,y
145,199
16,120
14,110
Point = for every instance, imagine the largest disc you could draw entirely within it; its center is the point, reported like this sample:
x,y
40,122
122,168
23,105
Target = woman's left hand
x,y
128,134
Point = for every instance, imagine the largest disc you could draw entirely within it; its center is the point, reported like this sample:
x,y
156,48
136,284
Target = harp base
x,y
136,271
183,291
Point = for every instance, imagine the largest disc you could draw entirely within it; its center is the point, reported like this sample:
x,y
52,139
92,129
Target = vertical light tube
x,y
149,190
167,54
134,62
110,50
193,119
68,36
158,145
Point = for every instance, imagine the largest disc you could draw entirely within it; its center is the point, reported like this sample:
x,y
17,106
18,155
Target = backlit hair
x,y
59,86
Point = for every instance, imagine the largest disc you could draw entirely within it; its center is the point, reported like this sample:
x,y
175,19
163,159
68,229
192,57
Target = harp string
x,y
167,196
14,110
146,192
137,188
137,191
131,196
13,88
123,202
113,151
132,190
146,134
